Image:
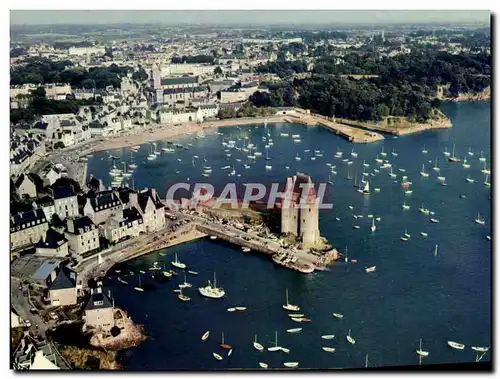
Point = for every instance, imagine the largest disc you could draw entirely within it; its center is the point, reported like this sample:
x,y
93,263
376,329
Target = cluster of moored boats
x,y
293,263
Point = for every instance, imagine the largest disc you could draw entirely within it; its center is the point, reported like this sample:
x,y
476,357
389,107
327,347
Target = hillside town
x,y
66,97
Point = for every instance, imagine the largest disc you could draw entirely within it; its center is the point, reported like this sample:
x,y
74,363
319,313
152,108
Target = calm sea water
x,y
412,295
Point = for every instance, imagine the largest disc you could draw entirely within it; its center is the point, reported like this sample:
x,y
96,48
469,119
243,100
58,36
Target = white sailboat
x,y
453,158
257,345
446,152
212,291
353,154
290,307
421,352
132,165
423,173
263,365
205,336
469,180
217,356
486,182
275,347
139,288
178,264
465,164
436,168
485,170
479,220
424,150
328,336
328,349
373,227
436,251
482,158
405,206
294,330
350,339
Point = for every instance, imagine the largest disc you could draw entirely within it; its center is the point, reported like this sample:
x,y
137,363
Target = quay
x,y
196,228
352,133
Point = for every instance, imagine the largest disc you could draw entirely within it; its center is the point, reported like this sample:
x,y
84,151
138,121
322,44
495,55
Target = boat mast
x,y
366,361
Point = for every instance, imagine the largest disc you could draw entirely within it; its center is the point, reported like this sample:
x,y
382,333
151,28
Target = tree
x,y
218,71
59,145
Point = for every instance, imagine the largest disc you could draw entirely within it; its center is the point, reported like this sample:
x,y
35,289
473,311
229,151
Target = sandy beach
x,y
164,132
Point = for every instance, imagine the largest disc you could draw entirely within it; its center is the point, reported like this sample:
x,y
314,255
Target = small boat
x,y
231,309
263,365
338,315
139,288
328,336
373,227
291,364
241,308
479,220
142,272
230,352
446,152
246,249
371,269
405,206
217,356
213,237
470,152
481,158
423,234
480,349
193,272
294,330
405,239
453,158
421,352
350,339
423,173
224,345
297,319
356,226
488,238
469,180
424,150
257,345
328,349
183,297
122,281
296,315
434,220
205,336
456,345
288,306
275,347
178,264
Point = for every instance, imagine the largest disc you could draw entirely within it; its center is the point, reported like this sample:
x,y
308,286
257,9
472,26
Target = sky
x,y
246,16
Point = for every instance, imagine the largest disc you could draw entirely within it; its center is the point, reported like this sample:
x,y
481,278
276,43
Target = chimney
x,y
132,199
70,225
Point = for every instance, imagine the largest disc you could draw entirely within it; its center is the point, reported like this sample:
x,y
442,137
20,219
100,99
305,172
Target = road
x,y
22,306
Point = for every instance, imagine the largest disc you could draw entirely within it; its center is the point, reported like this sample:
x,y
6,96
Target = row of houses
x,y
111,214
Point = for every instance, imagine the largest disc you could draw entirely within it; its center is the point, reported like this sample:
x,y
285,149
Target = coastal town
x,y
73,98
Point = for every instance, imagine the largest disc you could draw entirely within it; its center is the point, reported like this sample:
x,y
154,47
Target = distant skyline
x,y
246,17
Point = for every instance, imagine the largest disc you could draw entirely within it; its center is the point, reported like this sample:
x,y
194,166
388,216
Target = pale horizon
x,y
248,17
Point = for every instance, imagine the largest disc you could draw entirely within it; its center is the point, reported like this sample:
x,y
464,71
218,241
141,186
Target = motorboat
x,y
328,336
338,315
263,365
296,315
291,364
294,330
217,356
371,269
480,349
275,347
241,308
205,335
456,345
328,349
231,309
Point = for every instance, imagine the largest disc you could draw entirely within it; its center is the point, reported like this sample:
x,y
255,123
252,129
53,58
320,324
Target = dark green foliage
x,y
405,86
194,59
282,68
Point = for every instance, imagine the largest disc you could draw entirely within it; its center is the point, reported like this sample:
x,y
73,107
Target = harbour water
x,y
413,294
